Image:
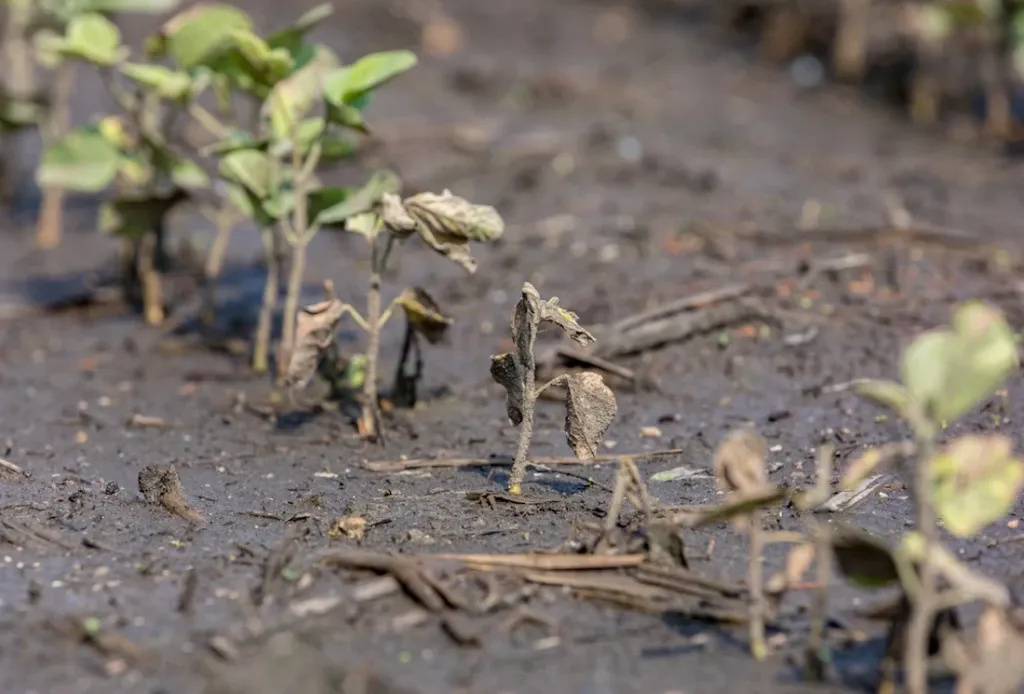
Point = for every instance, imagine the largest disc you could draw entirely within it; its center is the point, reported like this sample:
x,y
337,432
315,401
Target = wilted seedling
x,y
590,406
974,480
448,223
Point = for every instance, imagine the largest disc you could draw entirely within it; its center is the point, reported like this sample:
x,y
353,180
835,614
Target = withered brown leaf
x,y
739,466
315,326
505,373
424,315
590,409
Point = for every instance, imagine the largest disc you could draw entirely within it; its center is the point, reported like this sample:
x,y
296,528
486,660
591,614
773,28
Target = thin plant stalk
x,y
50,227
518,473
850,55
755,584
298,234
20,72
261,346
817,654
225,222
924,599
370,424
149,276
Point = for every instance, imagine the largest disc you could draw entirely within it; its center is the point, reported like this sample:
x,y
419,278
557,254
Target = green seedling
x,y
590,406
969,483
447,224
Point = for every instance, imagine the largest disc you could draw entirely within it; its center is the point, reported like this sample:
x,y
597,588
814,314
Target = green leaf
x,y
249,168
135,215
95,38
237,139
201,33
188,175
347,84
362,200
325,198
348,116
142,6
84,161
952,370
169,84
293,97
885,393
267,65
290,38
336,147
975,481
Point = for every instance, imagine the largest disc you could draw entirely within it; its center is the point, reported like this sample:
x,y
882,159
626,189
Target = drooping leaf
x,y
423,314
132,216
590,409
365,199
888,394
94,38
200,33
315,327
250,168
173,85
505,372
446,222
84,161
366,224
294,96
290,38
347,116
265,65
551,312
975,481
344,85
863,558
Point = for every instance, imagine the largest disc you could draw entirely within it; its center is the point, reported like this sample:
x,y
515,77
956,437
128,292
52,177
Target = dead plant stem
x,y
50,227
529,367
371,424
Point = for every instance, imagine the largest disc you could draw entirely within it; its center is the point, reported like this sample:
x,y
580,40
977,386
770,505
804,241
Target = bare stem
x,y
817,653
50,227
299,240
20,77
925,599
149,275
261,348
518,473
215,260
370,424
755,583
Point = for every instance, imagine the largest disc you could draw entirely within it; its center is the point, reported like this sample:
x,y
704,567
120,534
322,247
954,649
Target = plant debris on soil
x,y
743,255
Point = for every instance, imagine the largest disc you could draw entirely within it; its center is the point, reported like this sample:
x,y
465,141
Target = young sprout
x,y
590,406
740,472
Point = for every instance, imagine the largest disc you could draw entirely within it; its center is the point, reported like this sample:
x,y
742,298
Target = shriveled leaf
x,y
294,96
505,372
201,33
885,393
446,222
589,410
169,84
739,462
93,37
351,527
863,558
315,327
551,312
345,85
989,662
382,183
424,314
975,481
249,168
291,37
84,161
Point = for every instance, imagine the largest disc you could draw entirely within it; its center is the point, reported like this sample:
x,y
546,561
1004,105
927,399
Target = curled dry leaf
x,y
740,462
992,663
352,527
589,411
424,315
798,563
314,332
446,222
505,373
